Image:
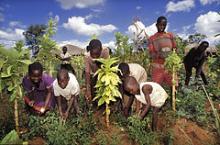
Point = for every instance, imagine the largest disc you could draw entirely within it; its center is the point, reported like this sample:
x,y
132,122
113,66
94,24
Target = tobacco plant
x,y
11,76
173,64
107,84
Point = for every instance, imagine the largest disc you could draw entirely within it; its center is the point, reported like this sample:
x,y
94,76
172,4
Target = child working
x,y
150,94
91,66
135,70
38,89
66,89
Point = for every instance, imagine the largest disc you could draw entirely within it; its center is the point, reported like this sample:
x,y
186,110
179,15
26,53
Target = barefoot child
x,y
150,94
66,89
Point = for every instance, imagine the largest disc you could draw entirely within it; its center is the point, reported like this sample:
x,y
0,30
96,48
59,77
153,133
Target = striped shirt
x,y
160,44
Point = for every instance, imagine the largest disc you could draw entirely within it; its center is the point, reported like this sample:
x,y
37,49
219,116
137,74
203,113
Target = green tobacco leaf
x,y
13,96
101,101
27,62
11,138
9,69
10,88
3,75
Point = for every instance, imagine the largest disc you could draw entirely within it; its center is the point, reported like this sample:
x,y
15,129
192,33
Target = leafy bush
x,y
11,138
104,138
138,130
75,131
191,104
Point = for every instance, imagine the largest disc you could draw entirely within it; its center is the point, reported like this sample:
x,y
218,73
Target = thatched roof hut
x,y
74,50
71,49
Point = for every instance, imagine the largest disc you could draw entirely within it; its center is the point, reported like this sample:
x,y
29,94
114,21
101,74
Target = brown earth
x,y
186,132
37,141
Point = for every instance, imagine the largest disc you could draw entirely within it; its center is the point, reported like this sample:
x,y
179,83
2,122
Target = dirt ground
x,y
37,141
186,132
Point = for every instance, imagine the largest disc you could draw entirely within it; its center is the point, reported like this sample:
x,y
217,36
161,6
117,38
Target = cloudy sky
x,y
78,20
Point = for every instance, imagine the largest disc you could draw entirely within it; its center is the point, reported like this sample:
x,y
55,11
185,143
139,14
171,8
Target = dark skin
x,y
195,59
63,81
161,26
134,89
35,77
95,53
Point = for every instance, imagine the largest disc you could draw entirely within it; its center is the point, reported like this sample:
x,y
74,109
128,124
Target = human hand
x,y
140,117
65,115
31,103
88,96
42,110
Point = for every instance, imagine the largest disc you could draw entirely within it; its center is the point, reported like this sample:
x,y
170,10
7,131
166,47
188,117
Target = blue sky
x,y
79,19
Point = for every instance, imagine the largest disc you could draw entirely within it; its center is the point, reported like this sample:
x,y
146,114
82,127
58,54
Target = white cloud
x,y
184,5
185,32
16,34
150,30
7,43
205,2
138,7
68,4
81,44
14,24
208,24
9,37
110,44
79,25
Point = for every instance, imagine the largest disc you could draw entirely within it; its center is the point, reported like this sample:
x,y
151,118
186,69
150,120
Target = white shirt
x,y
138,72
72,88
63,56
158,95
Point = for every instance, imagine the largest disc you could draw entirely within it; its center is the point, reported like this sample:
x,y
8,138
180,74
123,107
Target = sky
x,y
78,20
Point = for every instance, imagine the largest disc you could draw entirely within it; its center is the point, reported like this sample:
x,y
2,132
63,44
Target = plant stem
x,y
16,115
107,115
217,118
173,91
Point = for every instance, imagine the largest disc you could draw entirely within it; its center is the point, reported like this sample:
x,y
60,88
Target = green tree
x,y
32,37
196,38
123,48
46,45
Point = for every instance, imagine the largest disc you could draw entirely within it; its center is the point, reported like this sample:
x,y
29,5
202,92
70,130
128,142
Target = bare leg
x,y
188,74
138,106
75,105
128,106
154,118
